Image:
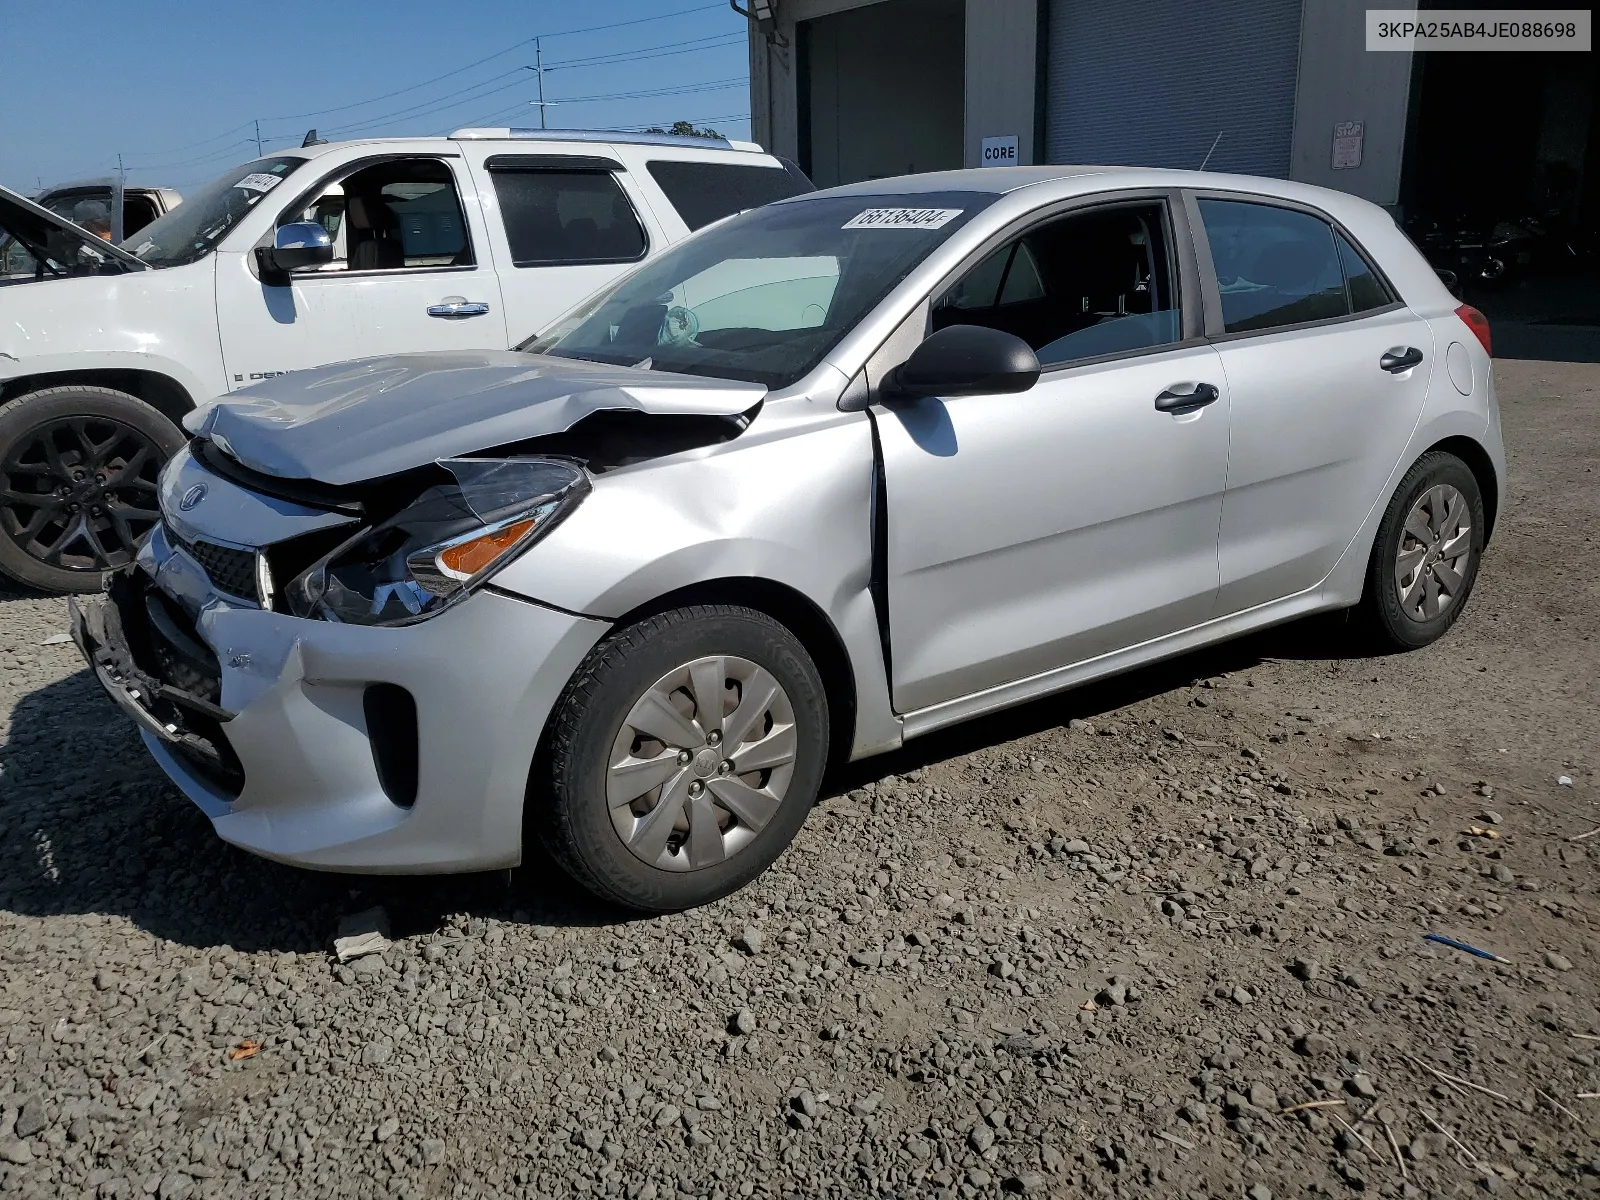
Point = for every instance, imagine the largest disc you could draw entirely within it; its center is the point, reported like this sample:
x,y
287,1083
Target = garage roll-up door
x,y
1153,83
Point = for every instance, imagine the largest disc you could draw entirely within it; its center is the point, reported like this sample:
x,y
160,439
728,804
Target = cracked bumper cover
x,y
484,676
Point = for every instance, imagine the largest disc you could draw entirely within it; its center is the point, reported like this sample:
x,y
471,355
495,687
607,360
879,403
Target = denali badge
x,y
192,497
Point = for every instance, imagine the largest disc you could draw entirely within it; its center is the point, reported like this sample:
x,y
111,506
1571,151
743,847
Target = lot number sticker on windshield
x,y
259,182
902,218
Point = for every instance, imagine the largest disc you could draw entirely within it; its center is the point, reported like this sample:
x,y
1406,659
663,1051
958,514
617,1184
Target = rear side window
x,y
704,192
554,218
1275,266
1367,289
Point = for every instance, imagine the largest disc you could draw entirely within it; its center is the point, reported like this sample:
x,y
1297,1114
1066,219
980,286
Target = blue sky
x,y
176,86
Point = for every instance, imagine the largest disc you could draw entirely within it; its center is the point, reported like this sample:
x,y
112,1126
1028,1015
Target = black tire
x,y
567,805
47,436
1389,622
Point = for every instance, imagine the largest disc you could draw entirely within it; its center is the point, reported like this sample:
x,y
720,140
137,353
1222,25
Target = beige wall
x,y
1002,56
1340,80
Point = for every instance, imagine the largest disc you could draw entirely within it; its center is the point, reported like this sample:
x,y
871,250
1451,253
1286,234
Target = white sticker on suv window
x,y
902,218
259,182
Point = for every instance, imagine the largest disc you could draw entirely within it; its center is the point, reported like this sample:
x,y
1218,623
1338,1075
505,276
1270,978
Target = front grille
x,y
230,570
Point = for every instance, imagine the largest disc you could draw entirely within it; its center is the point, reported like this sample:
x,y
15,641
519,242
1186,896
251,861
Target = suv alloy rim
x,y
701,763
1430,567
79,492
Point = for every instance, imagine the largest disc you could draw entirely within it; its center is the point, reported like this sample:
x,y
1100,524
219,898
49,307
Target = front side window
x,y
766,294
556,218
193,229
1080,286
398,215
1275,266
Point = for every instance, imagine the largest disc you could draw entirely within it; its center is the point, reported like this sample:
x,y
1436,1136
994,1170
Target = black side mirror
x,y
965,360
295,246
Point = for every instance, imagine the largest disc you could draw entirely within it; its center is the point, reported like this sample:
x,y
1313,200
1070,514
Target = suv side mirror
x,y
296,245
965,360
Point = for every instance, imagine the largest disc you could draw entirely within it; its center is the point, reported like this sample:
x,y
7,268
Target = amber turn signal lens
x,y
466,559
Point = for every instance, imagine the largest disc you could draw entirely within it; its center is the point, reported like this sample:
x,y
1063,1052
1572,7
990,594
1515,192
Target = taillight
x,y
1478,323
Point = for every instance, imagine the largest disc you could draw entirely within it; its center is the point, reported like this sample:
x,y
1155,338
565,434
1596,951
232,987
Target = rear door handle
x,y
1195,396
457,306
1400,358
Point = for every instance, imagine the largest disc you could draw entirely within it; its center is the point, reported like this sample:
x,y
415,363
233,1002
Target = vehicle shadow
x,y
93,827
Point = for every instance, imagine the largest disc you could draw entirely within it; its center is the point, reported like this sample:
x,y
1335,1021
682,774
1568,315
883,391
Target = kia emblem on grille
x,y
192,497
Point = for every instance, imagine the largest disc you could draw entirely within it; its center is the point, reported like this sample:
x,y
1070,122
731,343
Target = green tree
x,y
685,129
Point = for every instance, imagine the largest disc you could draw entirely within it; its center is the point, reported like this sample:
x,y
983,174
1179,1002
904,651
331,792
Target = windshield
x,y
764,295
193,229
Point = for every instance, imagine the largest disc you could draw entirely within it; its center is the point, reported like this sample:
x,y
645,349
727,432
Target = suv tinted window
x,y
1275,266
1367,290
704,192
555,217
1080,286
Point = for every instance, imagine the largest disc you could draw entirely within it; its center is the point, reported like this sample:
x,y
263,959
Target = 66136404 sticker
x,y
902,218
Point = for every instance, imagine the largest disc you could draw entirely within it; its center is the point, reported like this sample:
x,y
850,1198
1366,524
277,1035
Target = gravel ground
x,y
1097,946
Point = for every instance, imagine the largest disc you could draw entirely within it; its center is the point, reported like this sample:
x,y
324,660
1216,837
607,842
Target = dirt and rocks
x,y
1161,936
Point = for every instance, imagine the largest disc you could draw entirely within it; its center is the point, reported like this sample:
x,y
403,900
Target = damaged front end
x,y
146,653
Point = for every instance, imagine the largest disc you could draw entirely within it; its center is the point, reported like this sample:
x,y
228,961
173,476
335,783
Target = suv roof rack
x,y
604,135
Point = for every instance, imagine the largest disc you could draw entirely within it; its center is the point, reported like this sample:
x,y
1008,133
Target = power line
x,y
489,119
606,60
428,107
490,58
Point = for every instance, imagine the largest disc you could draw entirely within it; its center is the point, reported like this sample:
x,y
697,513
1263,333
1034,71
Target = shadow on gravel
x,y
91,825
1322,637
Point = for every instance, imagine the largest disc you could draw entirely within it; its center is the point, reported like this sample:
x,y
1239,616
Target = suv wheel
x,y
1425,557
78,468
683,757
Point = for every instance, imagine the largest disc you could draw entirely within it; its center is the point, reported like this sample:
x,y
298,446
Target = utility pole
x,y
258,137
538,58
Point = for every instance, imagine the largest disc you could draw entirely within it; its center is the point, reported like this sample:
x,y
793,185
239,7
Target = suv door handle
x,y
457,306
1400,358
1198,396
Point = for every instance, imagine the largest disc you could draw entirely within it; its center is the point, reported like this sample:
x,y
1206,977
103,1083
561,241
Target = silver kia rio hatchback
x,y
830,475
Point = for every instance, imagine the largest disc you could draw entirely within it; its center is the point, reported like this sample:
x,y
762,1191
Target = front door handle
x,y
1400,358
457,306
1183,397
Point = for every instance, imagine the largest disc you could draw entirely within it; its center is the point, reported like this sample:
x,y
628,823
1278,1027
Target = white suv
x,y
302,258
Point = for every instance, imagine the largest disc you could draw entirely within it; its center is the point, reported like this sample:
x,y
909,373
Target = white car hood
x,y
370,418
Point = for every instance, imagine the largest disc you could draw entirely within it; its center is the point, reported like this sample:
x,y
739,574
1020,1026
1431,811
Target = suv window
x,y
703,192
555,217
1277,266
1077,287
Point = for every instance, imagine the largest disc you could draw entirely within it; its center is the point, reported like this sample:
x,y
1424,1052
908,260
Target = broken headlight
x,y
437,548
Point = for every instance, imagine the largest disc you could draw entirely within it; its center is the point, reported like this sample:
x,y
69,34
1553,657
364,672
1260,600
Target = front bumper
x,y
293,761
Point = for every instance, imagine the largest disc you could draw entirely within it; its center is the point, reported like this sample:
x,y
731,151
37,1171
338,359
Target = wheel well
x,y
1482,468
797,613
165,395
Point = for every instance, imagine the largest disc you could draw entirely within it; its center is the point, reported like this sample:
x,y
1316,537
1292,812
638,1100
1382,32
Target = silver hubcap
x,y
701,763
1435,552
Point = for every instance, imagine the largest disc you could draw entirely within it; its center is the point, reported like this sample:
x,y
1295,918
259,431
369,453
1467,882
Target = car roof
x,y
1062,182
579,141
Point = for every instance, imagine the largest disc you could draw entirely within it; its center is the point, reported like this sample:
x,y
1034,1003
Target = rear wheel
x,y
78,470
683,757
1425,557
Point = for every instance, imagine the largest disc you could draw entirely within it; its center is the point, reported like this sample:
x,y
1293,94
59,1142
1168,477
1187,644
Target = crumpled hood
x,y
374,417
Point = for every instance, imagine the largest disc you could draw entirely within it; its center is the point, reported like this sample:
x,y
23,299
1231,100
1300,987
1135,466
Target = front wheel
x,y
1425,557
78,470
682,758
